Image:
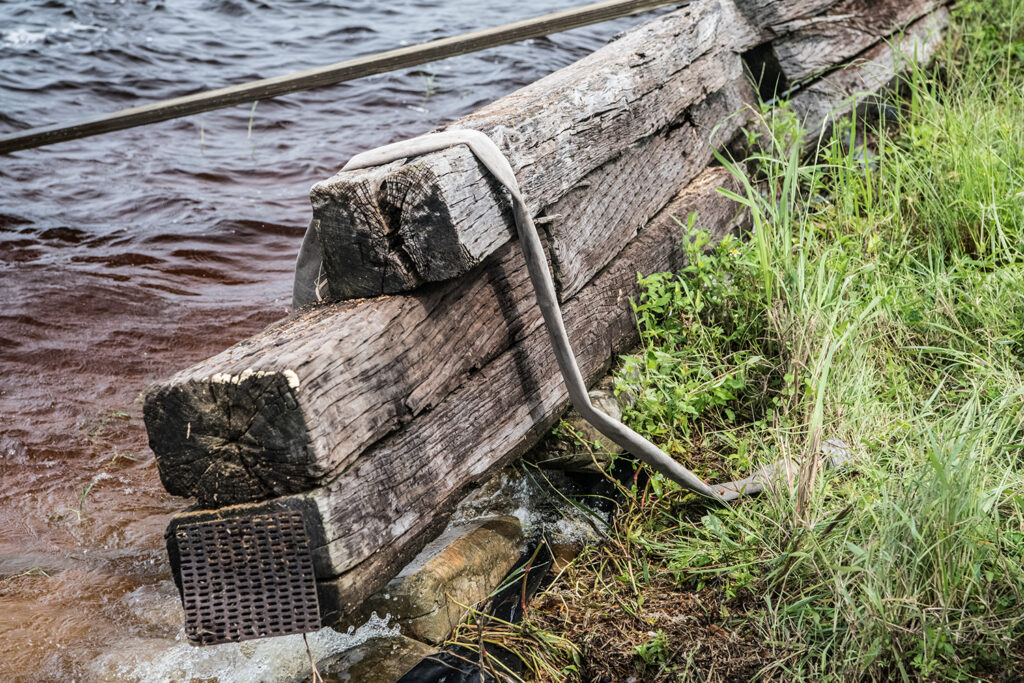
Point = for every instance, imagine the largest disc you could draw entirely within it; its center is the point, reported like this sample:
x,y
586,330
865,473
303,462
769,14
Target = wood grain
x,y
812,46
404,487
393,228
836,95
773,16
587,228
291,408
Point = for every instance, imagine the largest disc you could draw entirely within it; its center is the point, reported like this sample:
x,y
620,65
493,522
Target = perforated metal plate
x,y
248,577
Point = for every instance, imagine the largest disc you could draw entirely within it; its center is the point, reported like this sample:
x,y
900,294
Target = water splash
x,y
24,37
165,655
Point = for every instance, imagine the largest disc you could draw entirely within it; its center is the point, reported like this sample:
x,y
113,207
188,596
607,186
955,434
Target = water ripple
x,y
126,257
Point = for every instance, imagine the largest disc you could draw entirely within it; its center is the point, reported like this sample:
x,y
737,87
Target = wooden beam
x,y
291,408
392,60
773,16
818,44
598,218
836,95
378,514
390,229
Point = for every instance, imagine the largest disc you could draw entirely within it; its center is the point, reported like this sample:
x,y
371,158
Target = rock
x,y
567,453
837,454
564,549
458,570
378,660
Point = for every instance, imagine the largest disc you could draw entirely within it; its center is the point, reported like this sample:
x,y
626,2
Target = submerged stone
x,y
378,660
458,570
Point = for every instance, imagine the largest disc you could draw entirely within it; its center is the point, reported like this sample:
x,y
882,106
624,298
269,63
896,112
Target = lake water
x,y
129,256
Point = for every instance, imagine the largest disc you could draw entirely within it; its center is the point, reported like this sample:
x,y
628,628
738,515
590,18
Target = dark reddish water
x,y
128,256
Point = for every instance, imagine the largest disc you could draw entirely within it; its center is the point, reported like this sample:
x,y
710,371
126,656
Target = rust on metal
x,y
247,577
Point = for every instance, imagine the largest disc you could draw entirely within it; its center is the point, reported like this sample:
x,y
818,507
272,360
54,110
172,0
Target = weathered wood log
x,y
405,486
820,103
283,411
289,409
597,218
381,506
773,16
390,229
815,45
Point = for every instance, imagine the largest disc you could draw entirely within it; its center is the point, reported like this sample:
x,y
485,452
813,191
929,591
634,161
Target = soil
x,y
702,638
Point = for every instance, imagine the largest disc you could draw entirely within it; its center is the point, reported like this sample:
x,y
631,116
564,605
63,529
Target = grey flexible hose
x,y
536,263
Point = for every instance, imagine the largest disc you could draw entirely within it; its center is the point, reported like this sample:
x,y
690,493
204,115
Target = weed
x,y
429,88
252,118
514,651
875,302
85,493
118,455
654,653
31,571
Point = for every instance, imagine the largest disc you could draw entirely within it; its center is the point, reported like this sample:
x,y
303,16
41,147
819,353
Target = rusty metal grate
x,y
247,577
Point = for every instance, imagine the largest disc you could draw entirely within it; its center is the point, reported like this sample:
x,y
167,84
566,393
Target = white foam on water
x,y
512,493
23,37
507,493
172,658
577,529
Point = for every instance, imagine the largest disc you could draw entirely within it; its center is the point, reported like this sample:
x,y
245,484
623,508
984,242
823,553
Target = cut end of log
x,y
356,222
230,438
390,229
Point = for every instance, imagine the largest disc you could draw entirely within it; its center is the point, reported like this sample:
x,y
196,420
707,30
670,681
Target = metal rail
x,y
536,264
329,75
836,452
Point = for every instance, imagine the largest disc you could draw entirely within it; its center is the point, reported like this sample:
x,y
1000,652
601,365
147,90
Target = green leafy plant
x,y
877,300
654,654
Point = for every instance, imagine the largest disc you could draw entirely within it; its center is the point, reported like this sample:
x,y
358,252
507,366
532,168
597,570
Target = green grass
x,y
880,303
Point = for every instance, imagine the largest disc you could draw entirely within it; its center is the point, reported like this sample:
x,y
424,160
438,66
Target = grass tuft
x,y
878,301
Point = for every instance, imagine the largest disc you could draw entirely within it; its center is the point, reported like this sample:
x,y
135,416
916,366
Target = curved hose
x,y
536,263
